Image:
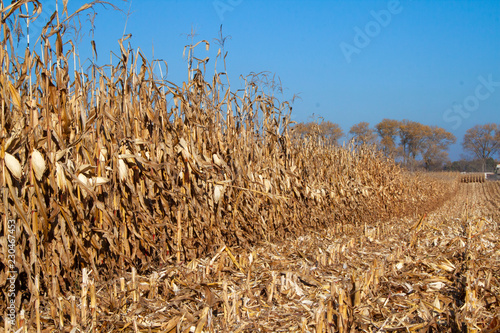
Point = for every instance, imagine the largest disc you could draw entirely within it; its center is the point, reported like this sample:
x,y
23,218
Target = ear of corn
x,y
38,164
13,165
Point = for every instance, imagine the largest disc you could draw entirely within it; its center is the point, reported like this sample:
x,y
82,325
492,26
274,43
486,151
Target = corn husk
x,y
98,181
122,170
81,177
103,155
38,164
218,192
60,177
217,160
13,165
267,185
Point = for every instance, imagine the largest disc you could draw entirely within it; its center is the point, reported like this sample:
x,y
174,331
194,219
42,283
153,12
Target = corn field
x,y
113,172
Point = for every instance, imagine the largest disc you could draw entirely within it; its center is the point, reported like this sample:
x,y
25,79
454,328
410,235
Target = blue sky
x,y
435,62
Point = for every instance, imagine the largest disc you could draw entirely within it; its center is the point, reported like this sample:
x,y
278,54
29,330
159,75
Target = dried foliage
x,y
436,273
113,171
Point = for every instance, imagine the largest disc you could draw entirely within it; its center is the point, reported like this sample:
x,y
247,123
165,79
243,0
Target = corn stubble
x,y
114,175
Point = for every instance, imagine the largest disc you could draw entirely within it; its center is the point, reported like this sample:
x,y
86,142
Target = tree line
x,y
409,142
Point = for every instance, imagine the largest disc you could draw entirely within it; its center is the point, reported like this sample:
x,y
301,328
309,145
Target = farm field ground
x,y
436,273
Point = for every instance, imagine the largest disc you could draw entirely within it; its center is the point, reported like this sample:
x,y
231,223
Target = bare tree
x,y
362,133
387,129
412,136
435,146
415,139
328,132
483,141
331,132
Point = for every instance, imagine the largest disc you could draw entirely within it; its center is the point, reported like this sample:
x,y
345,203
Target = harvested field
x,y
437,272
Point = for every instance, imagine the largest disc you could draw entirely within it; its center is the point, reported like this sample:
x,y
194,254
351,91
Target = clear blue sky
x,y
435,62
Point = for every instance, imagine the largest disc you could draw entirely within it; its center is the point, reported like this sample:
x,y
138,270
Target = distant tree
x,y
387,129
482,141
435,146
331,132
412,136
415,139
497,139
302,129
328,132
362,133
468,165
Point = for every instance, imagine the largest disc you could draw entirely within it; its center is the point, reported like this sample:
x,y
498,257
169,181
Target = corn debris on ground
x,y
437,272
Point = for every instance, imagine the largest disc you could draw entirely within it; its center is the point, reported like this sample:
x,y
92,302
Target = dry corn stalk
x,y
130,169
